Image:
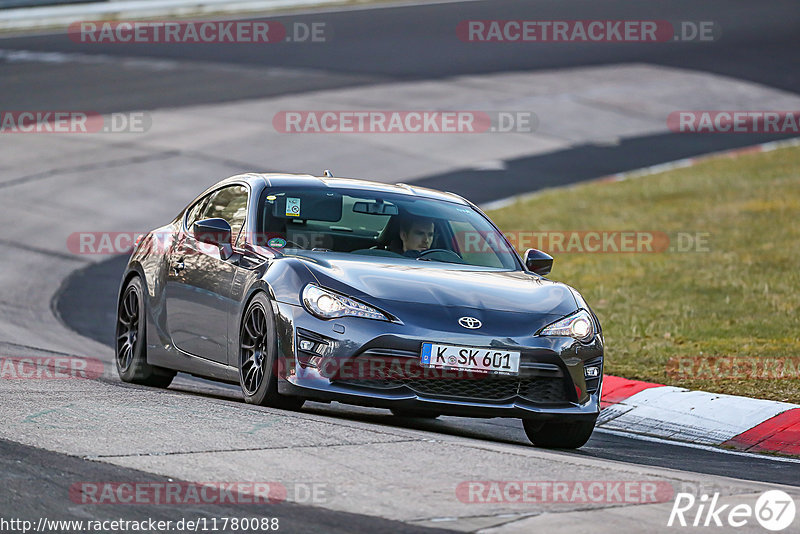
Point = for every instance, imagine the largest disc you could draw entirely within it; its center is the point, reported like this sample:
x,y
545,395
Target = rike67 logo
x,y
774,510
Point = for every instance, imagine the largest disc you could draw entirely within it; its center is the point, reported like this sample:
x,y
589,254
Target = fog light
x,y
306,345
591,372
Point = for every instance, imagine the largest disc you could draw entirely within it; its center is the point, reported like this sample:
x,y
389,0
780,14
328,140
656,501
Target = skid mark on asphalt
x,y
101,457
90,167
44,252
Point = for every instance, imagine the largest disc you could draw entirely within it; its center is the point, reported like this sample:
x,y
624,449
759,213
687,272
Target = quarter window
x,y
229,203
194,211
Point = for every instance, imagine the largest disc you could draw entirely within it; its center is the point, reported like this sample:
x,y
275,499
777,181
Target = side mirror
x,y
538,262
215,232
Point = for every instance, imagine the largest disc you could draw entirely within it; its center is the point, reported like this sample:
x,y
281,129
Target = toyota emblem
x,y
470,322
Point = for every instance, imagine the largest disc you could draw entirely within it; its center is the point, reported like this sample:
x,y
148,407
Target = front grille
x,y
539,389
545,390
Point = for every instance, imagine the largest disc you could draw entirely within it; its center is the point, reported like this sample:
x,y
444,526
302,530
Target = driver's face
x,y
419,237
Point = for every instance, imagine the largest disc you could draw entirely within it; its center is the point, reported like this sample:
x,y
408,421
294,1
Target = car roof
x,y
281,180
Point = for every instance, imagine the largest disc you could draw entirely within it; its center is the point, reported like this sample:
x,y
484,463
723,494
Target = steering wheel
x,y
453,257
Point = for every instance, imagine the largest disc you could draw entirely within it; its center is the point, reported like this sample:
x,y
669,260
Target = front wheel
x,y
131,344
258,357
558,434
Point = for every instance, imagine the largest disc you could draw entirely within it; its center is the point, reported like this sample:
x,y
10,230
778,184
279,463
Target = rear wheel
x,y
131,342
558,434
419,414
258,356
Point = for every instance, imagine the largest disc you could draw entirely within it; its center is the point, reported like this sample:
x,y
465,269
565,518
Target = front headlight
x,y
579,325
326,304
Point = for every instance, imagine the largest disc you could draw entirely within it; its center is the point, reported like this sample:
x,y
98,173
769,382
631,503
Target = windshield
x,y
374,223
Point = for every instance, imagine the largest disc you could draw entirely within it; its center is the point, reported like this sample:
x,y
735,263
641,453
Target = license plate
x,y
477,359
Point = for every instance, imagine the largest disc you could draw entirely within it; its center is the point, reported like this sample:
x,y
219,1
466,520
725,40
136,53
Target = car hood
x,y
441,284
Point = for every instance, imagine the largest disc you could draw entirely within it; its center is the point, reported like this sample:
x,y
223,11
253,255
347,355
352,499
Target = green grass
x,y
740,298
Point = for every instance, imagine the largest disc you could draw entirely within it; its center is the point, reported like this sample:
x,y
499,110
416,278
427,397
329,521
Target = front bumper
x,y
550,385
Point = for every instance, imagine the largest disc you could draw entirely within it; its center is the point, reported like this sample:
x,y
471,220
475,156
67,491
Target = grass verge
x,y
722,316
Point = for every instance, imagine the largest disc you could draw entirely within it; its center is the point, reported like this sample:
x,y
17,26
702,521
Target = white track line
x,y
647,171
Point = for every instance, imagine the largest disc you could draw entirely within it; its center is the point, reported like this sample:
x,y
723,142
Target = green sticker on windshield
x,y
276,242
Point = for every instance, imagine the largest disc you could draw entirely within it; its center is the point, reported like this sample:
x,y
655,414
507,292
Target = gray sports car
x,y
318,288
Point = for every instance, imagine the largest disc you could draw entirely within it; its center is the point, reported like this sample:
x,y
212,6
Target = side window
x,y
194,212
229,203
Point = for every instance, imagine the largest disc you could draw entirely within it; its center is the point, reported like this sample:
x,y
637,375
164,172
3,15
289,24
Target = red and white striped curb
x,y
742,423
754,425
680,414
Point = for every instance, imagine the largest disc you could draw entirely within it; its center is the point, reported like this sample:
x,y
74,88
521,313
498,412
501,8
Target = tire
x,y
558,435
410,412
258,351
131,341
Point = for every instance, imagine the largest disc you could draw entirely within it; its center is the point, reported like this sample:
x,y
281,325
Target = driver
x,y
416,236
